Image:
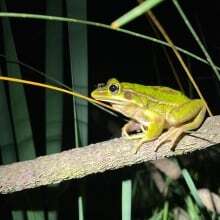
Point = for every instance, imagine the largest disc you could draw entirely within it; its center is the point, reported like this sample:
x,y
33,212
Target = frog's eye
x,y
114,88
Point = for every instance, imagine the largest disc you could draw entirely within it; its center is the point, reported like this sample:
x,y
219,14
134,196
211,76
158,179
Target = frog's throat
x,y
121,108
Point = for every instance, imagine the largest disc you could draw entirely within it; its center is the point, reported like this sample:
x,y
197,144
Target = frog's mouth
x,y
112,102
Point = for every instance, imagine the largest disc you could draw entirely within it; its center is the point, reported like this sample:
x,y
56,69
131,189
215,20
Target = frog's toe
x,y
175,138
159,143
137,146
172,135
135,149
165,137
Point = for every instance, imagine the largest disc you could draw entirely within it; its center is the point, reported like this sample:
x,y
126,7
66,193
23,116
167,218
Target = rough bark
x,y
96,158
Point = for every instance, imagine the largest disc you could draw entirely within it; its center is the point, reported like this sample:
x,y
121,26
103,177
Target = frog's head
x,y
116,93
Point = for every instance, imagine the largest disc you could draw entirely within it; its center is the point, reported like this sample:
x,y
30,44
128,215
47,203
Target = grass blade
x,y
126,199
192,209
192,187
79,64
96,24
54,69
7,147
79,77
54,101
20,115
196,37
80,204
166,211
135,12
19,112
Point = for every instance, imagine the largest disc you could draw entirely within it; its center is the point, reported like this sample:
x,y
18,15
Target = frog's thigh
x,y
194,109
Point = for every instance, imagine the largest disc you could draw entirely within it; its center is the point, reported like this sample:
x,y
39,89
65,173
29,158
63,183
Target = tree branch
x,y
96,158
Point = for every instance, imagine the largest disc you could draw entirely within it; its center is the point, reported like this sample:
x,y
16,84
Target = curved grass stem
x,y
95,24
55,88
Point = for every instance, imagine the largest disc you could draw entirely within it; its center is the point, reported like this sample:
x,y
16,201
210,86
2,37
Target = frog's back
x,y
158,94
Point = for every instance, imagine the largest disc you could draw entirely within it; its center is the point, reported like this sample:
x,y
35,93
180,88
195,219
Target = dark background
x,y
114,54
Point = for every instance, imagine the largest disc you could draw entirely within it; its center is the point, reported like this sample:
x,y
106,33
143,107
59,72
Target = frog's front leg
x,y
185,118
154,129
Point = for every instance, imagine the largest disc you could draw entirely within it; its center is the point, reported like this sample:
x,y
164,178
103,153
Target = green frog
x,y
152,109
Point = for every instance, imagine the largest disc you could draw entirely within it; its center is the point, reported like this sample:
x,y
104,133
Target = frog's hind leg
x,y
197,112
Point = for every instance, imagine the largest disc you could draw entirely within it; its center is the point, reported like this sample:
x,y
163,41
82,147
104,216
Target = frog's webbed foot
x,y
192,121
172,135
137,146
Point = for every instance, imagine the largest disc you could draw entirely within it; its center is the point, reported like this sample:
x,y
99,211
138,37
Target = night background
x,y
82,62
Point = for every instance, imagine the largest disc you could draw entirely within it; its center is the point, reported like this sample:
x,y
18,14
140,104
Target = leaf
x,y
7,144
54,69
192,187
126,199
19,109
54,101
79,76
135,12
